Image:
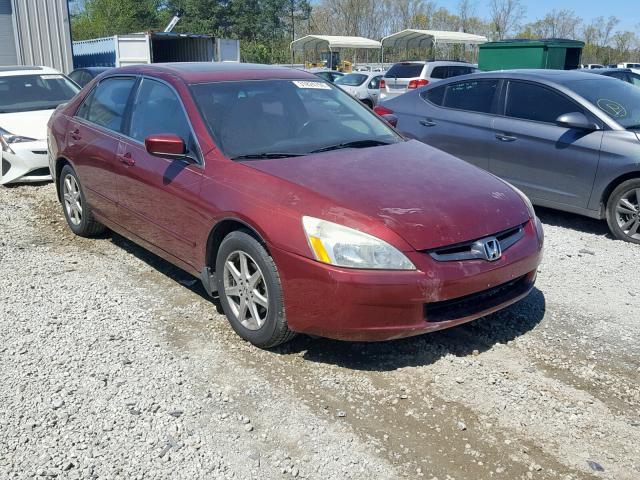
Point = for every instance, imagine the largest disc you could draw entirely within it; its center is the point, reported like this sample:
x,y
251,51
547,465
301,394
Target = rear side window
x,y
634,79
106,104
457,70
535,102
374,84
440,72
158,110
434,95
471,95
405,70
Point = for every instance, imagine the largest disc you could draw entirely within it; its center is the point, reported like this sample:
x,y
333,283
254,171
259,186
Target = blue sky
x,y
627,11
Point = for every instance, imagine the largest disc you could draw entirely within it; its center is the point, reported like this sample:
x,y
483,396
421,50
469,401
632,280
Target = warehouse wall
x,y
8,54
44,36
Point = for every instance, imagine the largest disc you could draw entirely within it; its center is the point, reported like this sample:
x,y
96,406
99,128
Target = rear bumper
x,y
369,305
26,162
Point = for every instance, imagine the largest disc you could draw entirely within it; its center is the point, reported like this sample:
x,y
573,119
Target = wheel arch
x,y
612,186
59,165
220,230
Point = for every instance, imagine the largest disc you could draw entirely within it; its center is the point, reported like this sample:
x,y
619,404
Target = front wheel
x,y
250,291
623,211
77,210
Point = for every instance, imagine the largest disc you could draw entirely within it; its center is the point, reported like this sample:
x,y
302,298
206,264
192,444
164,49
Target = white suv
x,y
28,96
405,76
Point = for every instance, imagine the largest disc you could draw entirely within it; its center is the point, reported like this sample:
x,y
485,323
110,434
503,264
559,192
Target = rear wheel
x,y
250,291
623,211
77,210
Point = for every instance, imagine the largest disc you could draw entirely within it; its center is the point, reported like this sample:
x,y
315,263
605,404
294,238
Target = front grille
x,y
473,249
476,302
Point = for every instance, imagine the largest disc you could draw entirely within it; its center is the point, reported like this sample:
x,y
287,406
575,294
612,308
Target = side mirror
x,y
165,145
576,120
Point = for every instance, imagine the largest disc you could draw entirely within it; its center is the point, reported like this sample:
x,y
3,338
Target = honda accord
x,y
296,205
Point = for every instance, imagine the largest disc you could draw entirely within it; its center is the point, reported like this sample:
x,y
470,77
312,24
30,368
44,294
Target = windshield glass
x,y
23,93
285,117
351,80
619,100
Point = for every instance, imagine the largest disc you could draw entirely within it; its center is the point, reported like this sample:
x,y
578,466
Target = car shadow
x,y
574,221
464,340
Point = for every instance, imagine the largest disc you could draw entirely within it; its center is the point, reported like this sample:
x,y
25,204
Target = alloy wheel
x,y
628,213
72,199
246,290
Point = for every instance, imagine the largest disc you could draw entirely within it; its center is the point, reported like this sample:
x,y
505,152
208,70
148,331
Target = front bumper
x,y
26,162
369,305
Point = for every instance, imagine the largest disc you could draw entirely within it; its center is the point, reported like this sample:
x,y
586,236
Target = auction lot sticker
x,y
316,85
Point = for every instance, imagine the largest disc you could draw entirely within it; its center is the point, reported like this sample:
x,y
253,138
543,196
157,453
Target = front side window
x,y
106,104
158,110
288,117
529,101
471,95
24,93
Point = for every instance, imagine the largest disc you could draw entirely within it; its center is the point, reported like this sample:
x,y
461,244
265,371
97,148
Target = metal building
x,y
35,32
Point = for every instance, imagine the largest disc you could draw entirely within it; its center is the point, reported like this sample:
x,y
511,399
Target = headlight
x,y
345,247
7,139
527,202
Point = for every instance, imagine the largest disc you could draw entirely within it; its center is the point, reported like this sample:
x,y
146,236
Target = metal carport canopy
x,y
333,42
412,38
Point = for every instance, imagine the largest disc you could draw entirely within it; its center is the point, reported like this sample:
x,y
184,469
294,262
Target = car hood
x,y
428,197
27,124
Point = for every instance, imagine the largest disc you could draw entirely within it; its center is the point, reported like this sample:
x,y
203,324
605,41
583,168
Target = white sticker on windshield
x,y
307,84
51,77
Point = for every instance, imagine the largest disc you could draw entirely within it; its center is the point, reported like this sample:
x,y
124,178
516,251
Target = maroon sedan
x,y
301,208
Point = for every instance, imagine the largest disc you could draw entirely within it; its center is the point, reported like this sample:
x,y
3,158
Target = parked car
x,y
28,96
297,204
591,65
624,74
634,66
365,86
329,75
406,76
569,140
82,76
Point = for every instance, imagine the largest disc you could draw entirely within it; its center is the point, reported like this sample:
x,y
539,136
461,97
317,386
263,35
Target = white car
x,y
634,67
28,97
365,86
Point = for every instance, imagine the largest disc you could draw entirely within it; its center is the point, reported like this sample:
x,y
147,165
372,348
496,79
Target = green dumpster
x,y
552,53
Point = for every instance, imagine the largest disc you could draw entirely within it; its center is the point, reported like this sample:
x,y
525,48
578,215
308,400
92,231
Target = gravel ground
x,y
115,364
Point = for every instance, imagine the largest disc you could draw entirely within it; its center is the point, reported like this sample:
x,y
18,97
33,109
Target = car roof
x,y
205,72
94,69
434,62
604,71
553,76
14,70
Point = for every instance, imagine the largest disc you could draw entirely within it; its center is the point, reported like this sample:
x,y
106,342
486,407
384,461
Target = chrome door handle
x,y
505,138
427,123
127,159
75,134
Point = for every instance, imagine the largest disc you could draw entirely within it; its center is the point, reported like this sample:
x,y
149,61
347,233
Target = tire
x,y
265,327
623,211
81,222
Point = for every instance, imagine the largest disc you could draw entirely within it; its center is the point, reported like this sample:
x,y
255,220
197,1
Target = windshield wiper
x,y
354,144
633,127
260,156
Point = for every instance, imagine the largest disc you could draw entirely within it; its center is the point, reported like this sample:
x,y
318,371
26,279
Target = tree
x,y
556,24
102,18
505,15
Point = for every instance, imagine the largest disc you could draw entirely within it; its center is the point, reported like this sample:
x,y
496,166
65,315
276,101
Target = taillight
x,y
383,84
380,110
418,83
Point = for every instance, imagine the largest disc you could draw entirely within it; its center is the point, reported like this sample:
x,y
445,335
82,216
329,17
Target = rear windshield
x,y
22,93
405,70
619,100
296,117
351,80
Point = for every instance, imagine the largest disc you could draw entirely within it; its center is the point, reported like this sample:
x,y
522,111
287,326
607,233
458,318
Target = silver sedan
x,y
365,86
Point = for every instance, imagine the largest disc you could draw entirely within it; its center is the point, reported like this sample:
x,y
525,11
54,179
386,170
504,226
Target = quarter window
x,y
105,106
158,110
535,102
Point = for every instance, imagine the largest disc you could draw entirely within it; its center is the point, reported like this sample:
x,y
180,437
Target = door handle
x,y
505,138
75,134
427,123
127,159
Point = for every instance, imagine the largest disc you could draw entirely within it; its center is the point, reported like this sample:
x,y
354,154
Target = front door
x,y
158,195
553,165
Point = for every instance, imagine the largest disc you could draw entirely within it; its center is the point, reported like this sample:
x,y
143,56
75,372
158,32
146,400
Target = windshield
x,y
286,117
619,100
352,80
23,93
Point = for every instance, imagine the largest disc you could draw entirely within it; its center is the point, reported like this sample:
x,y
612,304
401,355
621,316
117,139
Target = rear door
x,y
158,195
456,117
92,141
551,164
